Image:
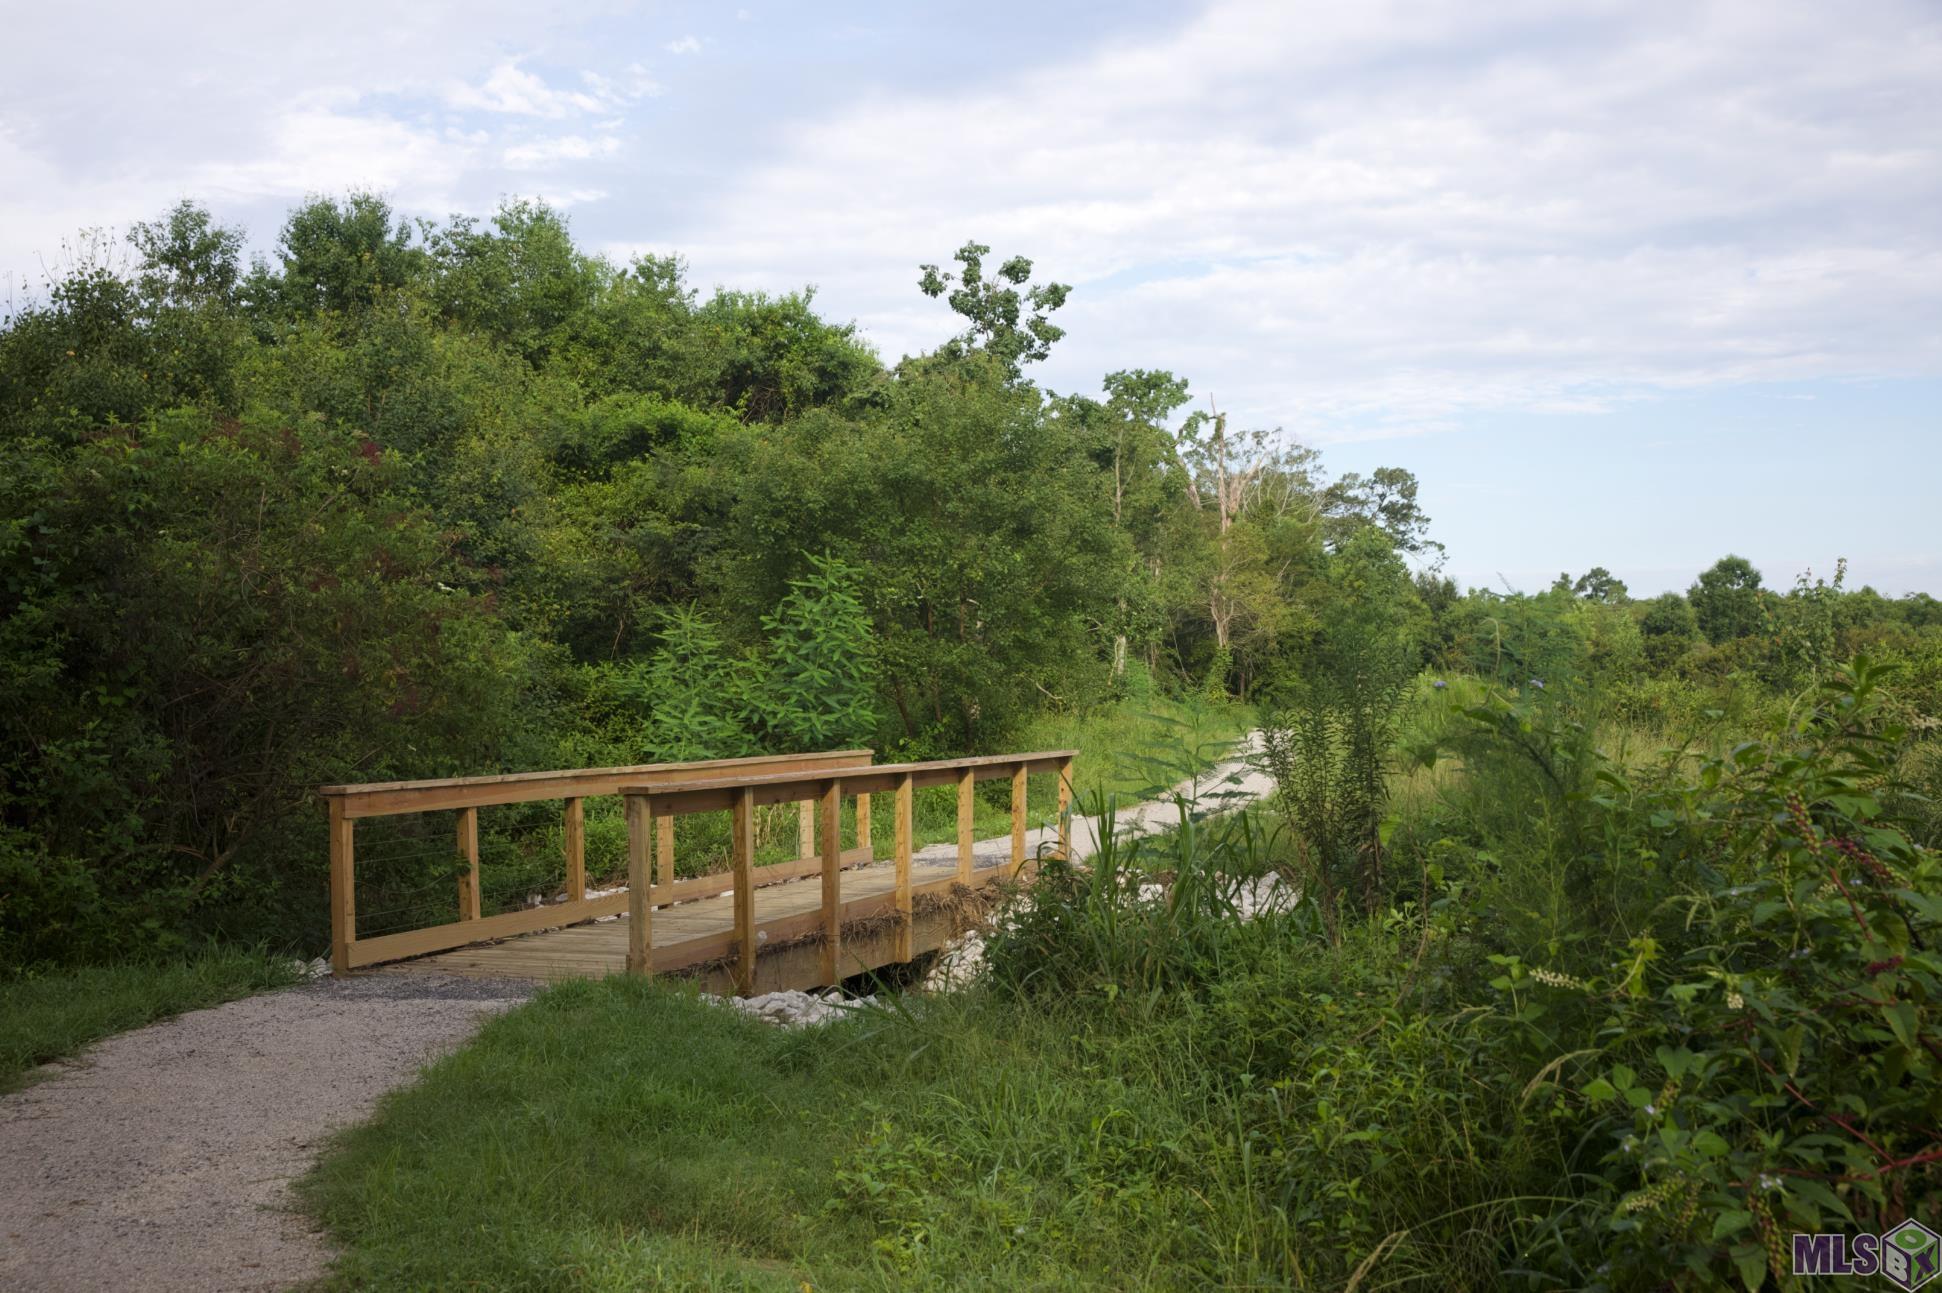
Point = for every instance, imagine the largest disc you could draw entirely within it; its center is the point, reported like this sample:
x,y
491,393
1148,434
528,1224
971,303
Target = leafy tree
x,y
201,621
337,256
1728,601
1386,498
1669,615
1599,585
694,693
819,687
521,280
996,309
187,259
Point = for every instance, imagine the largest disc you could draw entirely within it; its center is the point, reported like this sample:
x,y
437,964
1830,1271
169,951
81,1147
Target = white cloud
x,y
686,45
510,90
537,153
1364,220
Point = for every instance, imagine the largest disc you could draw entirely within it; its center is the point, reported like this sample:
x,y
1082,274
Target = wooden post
x,y
806,829
664,850
863,822
640,904
469,850
832,881
1018,819
967,824
744,852
343,888
576,850
905,791
1065,810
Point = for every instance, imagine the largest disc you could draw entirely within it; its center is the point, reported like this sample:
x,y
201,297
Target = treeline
x,y
411,499
1728,641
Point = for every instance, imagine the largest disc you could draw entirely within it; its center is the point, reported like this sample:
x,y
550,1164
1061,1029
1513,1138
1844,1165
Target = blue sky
x,y
1625,284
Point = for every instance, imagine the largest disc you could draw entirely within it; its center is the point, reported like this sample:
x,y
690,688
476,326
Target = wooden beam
x,y
832,867
967,824
664,850
744,854
640,905
343,889
382,798
863,823
1018,819
443,938
792,787
904,830
575,834
806,829
469,851
1065,810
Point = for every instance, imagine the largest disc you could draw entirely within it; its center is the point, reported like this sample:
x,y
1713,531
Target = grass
x,y
625,1135
48,1014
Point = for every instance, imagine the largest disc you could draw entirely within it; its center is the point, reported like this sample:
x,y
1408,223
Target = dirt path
x,y
162,1159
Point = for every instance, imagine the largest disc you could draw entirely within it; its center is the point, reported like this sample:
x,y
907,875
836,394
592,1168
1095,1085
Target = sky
x,y
1624,284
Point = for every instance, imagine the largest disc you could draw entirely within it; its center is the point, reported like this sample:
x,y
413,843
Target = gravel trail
x,y
161,1159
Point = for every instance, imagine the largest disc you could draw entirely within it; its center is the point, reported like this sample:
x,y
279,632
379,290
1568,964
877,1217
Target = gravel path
x,y
162,1158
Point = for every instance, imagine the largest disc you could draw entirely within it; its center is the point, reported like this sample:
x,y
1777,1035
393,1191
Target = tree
x,y
1668,616
1386,498
1727,600
1600,585
336,256
187,259
995,308
1141,469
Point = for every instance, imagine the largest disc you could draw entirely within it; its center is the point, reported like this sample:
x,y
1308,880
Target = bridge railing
x,y
464,796
651,807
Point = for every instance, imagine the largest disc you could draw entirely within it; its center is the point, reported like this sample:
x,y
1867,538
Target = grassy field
x,y
45,1015
624,1135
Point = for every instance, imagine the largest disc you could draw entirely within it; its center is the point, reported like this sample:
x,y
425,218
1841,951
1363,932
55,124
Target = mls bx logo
x,y
1910,1255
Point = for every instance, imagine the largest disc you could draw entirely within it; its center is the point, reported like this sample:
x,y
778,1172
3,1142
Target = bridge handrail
x,y
651,806
466,795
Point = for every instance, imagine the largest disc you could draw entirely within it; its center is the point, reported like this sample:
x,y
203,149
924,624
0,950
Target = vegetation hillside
x,y
1605,951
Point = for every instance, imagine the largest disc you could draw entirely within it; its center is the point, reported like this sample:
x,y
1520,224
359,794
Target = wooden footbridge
x,y
747,929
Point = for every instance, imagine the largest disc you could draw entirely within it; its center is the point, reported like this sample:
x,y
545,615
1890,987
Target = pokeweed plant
x,y
1766,1057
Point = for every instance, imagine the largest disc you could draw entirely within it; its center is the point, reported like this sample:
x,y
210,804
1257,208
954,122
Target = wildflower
x,y
1538,683
1769,1182
1735,1000
1439,684
1652,1111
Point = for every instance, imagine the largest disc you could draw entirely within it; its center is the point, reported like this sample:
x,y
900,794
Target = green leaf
x,y
1790,1044
1731,1222
1904,1020
1599,1089
1751,1262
